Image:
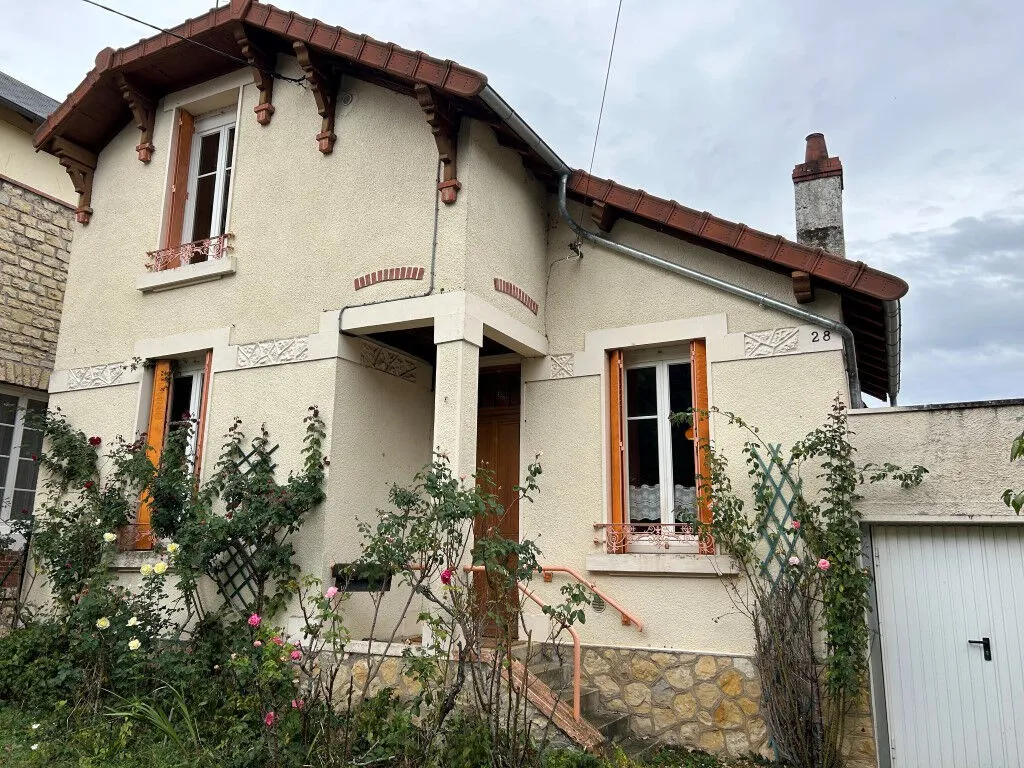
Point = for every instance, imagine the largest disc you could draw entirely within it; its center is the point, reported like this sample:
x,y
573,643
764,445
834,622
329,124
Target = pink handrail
x,y
627,617
576,653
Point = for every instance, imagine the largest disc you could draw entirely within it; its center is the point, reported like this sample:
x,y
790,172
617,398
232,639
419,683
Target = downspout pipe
x,y
892,347
849,346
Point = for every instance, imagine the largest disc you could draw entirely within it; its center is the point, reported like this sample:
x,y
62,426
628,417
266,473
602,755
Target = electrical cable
x,y
297,80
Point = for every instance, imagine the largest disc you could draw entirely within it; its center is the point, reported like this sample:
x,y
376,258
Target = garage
x,y
950,613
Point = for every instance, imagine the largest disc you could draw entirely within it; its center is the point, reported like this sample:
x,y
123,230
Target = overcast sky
x,y
709,103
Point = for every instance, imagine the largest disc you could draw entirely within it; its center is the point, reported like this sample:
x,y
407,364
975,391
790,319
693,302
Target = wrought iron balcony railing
x,y
189,253
647,537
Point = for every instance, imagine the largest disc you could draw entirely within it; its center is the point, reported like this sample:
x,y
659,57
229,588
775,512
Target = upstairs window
x,y
209,183
200,194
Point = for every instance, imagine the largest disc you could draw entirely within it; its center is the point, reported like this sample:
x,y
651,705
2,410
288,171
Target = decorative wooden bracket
x,y
323,81
444,124
80,165
604,215
143,113
803,290
262,64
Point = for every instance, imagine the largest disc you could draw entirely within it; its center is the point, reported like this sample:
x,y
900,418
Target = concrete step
x,y
552,674
613,726
590,698
636,747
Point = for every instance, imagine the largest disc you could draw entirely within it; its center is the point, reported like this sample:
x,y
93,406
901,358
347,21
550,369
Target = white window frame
x,y
220,122
6,503
194,369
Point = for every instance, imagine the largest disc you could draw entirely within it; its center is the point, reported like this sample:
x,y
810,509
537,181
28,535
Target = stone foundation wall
x,y
710,702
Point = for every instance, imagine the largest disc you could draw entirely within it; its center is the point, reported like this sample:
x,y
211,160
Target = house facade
x,y
35,236
349,224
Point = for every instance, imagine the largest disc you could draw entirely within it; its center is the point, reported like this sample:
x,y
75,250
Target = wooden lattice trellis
x,y
232,572
780,493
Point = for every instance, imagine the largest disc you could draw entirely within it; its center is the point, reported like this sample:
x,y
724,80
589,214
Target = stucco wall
x,y
20,161
305,224
964,446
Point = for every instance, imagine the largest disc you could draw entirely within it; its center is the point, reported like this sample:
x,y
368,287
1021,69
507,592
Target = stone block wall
x,y
35,235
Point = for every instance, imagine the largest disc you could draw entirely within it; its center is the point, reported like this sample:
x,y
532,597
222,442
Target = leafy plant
x,y
1015,499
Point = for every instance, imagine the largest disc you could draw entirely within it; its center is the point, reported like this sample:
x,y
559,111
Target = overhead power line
x,y
604,90
237,59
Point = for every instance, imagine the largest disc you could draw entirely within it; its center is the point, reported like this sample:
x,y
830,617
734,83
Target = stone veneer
x,y
35,235
701,700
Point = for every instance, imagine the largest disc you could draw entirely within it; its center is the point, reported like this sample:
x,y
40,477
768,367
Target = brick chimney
x,y
818,188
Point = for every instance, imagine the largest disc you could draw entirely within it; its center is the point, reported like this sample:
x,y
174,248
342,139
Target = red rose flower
x,y
88,484
94,441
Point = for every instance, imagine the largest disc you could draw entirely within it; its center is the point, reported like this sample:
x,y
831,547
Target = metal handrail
x,y
576,651
627,617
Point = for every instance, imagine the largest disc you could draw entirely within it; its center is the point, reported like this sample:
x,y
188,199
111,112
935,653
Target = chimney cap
x,y
817,164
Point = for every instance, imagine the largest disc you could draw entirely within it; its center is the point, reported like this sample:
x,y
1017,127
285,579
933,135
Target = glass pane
x,y
209,148
22,503
680,388
230,148
203,221
684,494
6,438
28,473
31,442
224,204
8,409
181,399
3,480
644,485
641,391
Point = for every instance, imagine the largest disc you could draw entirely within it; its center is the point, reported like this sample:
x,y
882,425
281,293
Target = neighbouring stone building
x,y
35,235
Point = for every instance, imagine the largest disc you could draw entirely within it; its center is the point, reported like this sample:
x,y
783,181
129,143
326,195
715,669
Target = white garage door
x,y
948,597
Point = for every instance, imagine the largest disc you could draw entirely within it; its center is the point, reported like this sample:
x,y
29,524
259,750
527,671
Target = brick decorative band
x,y
517,293
384,275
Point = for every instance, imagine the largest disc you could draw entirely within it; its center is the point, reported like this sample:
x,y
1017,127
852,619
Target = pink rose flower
x,y
257,644
331,592
255,620
794,560
824,564
296,655
276,640
446,576
796,525
270,719
298,703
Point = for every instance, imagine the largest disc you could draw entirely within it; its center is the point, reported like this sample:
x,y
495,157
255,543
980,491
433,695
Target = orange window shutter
x,y
616,397
702,437
179,180
155,432
204,400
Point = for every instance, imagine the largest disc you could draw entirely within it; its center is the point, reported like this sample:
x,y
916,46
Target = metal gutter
x,y
893,347
849,346
511,118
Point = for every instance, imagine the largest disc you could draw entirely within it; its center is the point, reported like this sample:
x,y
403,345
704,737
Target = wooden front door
x,y
497,456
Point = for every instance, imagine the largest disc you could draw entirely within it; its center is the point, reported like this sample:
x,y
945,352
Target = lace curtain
x,y
645,504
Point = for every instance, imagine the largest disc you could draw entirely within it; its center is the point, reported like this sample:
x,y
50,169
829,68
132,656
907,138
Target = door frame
x,y
876,668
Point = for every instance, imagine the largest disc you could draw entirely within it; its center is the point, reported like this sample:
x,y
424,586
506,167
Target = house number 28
x,y
820,336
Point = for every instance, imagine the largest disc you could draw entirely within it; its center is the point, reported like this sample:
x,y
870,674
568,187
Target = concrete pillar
x,y
455,404
818,188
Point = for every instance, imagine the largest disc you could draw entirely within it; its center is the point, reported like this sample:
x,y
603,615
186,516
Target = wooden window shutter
x,y
702,435
158,406
179,180
616,397
204,402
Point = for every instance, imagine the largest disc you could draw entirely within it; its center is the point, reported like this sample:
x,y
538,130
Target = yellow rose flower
x,y
133,622
146,569
172,548
110,538
103,623
133,644
160,568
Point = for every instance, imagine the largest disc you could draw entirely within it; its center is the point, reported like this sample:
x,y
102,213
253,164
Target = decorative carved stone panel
x,y
778,341
562,365
388,361
95,376
272,352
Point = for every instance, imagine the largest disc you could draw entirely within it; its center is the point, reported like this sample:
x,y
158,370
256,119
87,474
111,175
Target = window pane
x,y
230,148
644,484
680,388
3,481
28,473
203,221
641,391
684,483
22,503
181,399
6,438
224,204
209,148
8,409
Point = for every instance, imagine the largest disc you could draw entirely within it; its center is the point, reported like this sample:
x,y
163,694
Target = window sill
x,y
663,564
133,560
190,274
